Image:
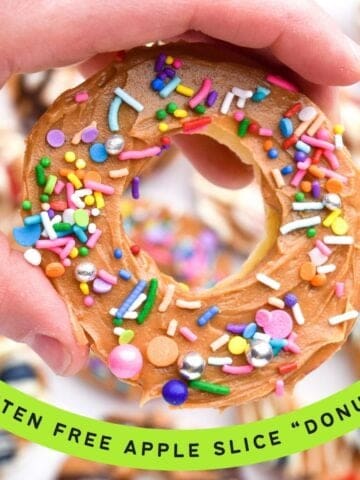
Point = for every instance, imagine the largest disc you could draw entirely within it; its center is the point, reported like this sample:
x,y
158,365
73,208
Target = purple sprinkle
x,y
55,138
170,73
300,156
162,76
290,300
160,62
89,135
51,213
99,286
135,184
315,189
211,98
237,328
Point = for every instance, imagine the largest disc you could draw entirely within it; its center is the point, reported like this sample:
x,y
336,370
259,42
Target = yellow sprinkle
x,y
169,60
237,345
80,163
126,208
69,157
184,287
84,287
74,253
163,127
338,129
74,180
99,200
331,217
340,226
180,113
186,91
89,200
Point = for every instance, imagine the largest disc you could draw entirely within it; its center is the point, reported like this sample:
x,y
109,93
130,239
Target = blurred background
x,y
206,226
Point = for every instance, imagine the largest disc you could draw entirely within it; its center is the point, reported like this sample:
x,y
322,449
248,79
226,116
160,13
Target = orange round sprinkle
x,y
319,280
54,269
93,176
333,185
307,271
80,174
162,351
64,172
268,144
305,186
316,172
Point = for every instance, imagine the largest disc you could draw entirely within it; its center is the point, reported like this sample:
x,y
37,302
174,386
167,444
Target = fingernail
x,y
52,352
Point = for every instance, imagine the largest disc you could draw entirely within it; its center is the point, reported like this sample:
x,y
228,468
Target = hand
x,y
45,33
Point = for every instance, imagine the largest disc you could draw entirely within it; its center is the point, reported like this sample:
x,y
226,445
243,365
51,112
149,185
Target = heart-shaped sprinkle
x,y
99,286
28,235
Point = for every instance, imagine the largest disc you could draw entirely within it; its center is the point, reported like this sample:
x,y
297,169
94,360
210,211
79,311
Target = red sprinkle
x,y
287,368
135,249
317,155
289,142
254,127
59,205
196,123
166,140
293,110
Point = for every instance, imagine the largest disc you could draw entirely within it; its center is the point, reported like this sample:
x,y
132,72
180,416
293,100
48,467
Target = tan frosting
x,y
239,296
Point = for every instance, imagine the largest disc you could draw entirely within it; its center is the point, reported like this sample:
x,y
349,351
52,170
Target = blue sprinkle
x,y
157,84
32,220
276,350
278,343
287,169
286,127
170,87
113,117
80,234
290,300
260,94
124,274
98,152
273,153
207,316
13,373
117,253
302,146
28,235
130,299
250,330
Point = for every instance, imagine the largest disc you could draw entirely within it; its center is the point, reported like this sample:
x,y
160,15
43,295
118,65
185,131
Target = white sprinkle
x,y
299,206
219,342
118,331
32,256
169,293
95,212
339,142
219,361
242,95
302,127
91,228
53,221
130,315
262,336
190,305
226,104
171,330
68,216
268,281
307,114
82,192
328,268
298,314
77,201
338,240
113,311
301,223
276,302
121,172
279,179
48,225
136,304
350,315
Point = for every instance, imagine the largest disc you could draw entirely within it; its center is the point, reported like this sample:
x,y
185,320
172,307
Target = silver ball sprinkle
x,y
331,201
85,272
259,354
191,365
114,144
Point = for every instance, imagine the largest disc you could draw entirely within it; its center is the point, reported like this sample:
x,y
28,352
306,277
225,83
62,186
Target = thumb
x,y
32,312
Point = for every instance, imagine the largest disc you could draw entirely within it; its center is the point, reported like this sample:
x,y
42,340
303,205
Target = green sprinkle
x,y
50,184
299,196
26,205
83,251
149,302
44,198
45,162
209,387
171,107
311,232
201,109
126,337
161,114
117,322
62,227
243,127
40,175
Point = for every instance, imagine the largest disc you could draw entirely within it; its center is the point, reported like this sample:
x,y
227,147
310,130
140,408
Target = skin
x,y
282,32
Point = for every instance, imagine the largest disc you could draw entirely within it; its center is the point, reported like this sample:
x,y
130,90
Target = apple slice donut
x,y
295,300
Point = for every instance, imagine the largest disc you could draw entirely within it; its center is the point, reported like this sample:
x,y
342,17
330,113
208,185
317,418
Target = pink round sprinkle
x,y
66,262
239,115
89,135
262,317
323,134
280,325
81,97
55,138
177,63
89,301
125,361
